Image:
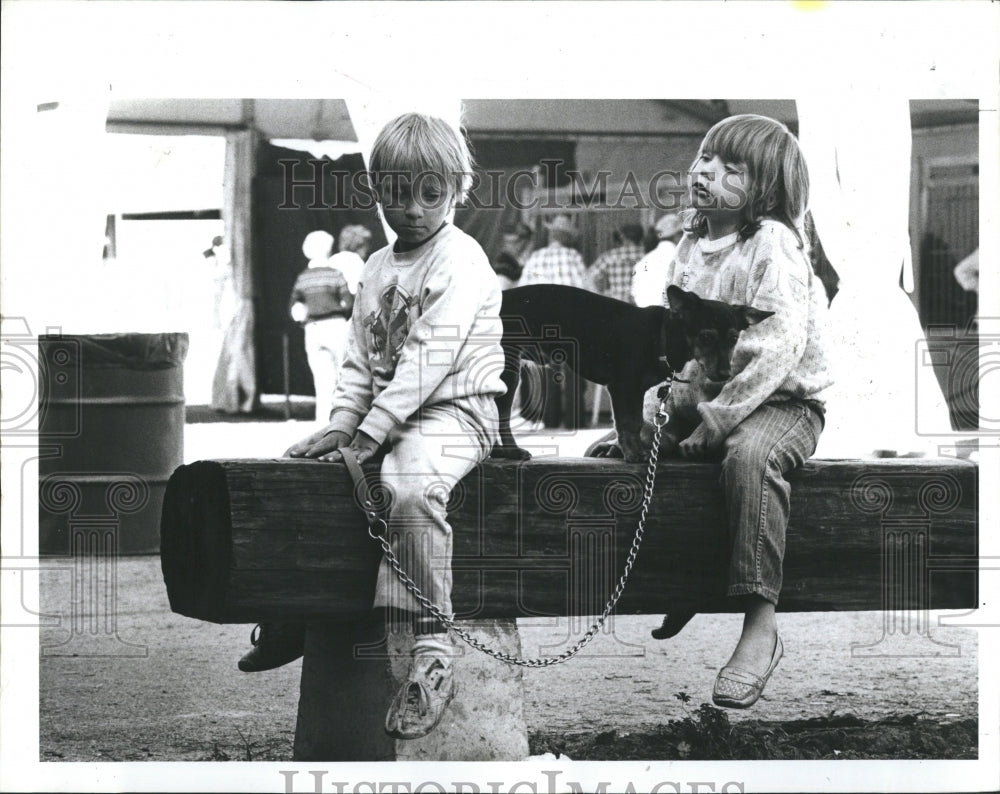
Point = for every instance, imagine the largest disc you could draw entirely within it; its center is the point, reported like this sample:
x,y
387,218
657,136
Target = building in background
x,y
604,161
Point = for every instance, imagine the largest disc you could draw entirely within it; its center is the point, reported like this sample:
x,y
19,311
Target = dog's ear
x,y
681,300
752,316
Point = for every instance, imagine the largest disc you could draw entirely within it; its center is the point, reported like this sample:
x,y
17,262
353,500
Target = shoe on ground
x,y
274,645
422,699
740,689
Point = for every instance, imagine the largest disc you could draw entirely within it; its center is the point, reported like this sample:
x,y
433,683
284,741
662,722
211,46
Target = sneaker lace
x,y
418,700
418,692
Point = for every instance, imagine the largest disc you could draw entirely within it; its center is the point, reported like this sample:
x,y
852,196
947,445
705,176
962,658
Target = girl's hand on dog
x,y
319,443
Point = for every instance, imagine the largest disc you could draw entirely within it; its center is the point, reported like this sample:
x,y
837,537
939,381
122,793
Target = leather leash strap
x,y
361,490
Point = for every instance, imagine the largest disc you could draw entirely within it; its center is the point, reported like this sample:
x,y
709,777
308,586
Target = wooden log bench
x,y
280,539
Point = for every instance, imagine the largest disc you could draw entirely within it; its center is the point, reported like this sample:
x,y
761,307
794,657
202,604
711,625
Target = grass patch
x,y
707,734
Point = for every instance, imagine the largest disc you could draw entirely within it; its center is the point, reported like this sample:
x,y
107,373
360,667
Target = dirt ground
x,y
147,684
163,687
167,688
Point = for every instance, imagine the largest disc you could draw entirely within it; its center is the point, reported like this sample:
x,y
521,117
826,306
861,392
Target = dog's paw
x,y
510,453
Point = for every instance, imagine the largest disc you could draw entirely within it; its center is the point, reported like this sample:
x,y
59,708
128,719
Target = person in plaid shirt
x,y
558,262
611,274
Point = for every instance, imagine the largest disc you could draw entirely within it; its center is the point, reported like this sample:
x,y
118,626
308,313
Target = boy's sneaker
x,y
422,699
274,644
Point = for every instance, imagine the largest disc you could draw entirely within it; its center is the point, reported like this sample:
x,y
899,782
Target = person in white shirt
x,y
649,276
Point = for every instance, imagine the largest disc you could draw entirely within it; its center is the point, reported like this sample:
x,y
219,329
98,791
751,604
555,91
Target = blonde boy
x,y
419,381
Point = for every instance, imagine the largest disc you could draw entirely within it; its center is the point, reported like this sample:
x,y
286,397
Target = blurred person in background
x,y
353,244
509,263
611,273
322,301
650,274
559,263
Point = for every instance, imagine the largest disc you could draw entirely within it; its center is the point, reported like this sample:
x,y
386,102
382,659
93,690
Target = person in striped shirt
x,y
322,301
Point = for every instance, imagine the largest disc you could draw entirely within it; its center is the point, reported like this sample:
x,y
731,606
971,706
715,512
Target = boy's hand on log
x,y
362,445
319,443
605,447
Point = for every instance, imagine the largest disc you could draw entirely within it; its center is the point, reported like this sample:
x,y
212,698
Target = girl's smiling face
x,y
415,208
716,186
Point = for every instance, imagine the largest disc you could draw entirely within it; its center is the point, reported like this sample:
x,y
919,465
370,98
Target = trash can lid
x,y
126,350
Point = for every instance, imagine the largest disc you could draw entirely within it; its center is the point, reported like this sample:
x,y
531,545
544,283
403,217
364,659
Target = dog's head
x,y
711,329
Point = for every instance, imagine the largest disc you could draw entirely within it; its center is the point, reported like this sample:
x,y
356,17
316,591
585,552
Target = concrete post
x,y
350,674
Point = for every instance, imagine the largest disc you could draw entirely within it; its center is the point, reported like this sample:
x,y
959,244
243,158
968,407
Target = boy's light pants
x,y
430,454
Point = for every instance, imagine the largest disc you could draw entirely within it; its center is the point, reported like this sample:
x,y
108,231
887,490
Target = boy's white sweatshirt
x,y
783,357
426,330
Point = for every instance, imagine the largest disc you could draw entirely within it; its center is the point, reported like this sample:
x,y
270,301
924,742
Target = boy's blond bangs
x,y
414,144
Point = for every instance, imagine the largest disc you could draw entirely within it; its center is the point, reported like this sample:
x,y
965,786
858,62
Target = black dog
x,y
613,343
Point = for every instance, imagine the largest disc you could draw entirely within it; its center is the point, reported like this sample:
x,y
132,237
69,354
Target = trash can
x,y
111,432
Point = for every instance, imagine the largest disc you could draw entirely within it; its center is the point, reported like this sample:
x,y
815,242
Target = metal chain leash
x,y
659,420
